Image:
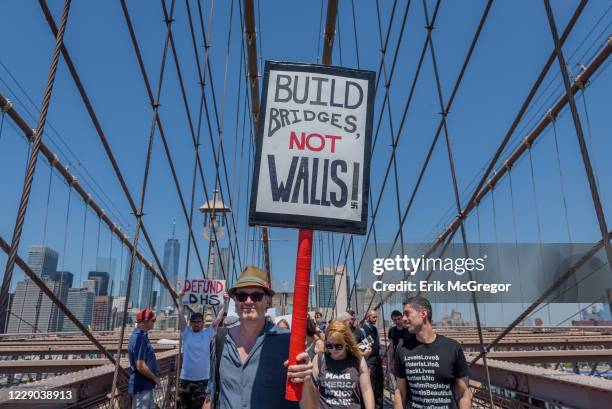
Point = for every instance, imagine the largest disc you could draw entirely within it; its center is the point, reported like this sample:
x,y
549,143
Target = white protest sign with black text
x,y
204,292
313,148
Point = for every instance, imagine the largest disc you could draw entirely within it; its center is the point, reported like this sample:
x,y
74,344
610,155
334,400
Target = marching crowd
x,y
241,362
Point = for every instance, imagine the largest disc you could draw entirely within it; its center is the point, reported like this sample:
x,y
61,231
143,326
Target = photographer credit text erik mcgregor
x,y
411,265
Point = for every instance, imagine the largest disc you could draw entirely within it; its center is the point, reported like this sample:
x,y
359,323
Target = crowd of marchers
x,y
241,362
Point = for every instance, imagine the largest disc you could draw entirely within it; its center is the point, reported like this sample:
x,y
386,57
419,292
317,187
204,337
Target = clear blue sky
x,y
512,49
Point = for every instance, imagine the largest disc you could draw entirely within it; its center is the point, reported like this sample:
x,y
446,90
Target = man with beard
x,y
248,367
434,372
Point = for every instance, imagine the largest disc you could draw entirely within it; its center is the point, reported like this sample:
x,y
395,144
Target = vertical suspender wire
x,y
561,184
3,110
139,213
588,124
496,240
110,258
31,167
97,286
355,32
537,215
83,242
444,113
516,248
354,278
601,219
343,275
480,251
44,240
61,283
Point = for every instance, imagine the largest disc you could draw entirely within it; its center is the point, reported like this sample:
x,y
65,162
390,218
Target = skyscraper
x,y
101,315
102,277
332,290
43,260
80,302
172,250
108,264
146,295
32,310
135,291
223,257
64,279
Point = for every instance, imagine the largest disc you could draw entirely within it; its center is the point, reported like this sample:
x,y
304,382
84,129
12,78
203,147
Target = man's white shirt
x,y
196,353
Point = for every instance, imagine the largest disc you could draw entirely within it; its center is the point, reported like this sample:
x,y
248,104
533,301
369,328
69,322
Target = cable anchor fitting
x,y
5,108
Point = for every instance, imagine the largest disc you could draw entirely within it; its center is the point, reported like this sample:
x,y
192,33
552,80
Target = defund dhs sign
x,y
312,164
203,292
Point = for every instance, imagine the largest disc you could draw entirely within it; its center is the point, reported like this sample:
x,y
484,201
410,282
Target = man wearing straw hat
x,y
248,363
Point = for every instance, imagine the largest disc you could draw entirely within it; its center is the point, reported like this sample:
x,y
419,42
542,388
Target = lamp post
x,y
214,229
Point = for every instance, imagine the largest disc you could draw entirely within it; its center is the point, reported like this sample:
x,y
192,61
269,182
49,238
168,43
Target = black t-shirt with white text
x,y
430,371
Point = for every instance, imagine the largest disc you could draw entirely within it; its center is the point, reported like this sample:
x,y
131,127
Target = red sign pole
x,y
297,344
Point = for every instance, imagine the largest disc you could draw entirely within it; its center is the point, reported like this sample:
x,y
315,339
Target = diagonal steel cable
x,y
31,167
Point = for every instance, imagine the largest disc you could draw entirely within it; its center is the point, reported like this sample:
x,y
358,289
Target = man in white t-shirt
x,y
196,355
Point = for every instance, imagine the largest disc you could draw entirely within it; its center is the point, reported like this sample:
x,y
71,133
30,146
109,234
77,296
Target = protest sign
x,y
312,160
204,292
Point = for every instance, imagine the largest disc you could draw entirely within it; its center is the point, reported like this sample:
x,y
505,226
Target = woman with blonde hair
x,y
340,375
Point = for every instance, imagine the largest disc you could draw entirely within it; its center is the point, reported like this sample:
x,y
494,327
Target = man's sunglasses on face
x,y
337,347
255,297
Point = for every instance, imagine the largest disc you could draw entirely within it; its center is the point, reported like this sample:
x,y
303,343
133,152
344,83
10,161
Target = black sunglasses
x,y
255,297
337,347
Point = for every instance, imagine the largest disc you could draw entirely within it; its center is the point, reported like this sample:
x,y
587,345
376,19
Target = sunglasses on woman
x,y
337,347
255,297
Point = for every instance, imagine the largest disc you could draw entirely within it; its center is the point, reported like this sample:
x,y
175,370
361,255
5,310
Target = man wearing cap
x,y
144,376
196,354
252,371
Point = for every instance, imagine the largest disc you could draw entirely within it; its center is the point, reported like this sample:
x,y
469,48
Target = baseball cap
x,y
196,316
144,315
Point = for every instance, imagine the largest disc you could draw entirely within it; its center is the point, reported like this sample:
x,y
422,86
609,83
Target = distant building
x,y
283,302
108,264
32,310
43,260
172,251
102,278
91,285
146,295
222,264
65,279
135,291
454,320
80,303
332,288
101,315
117,312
